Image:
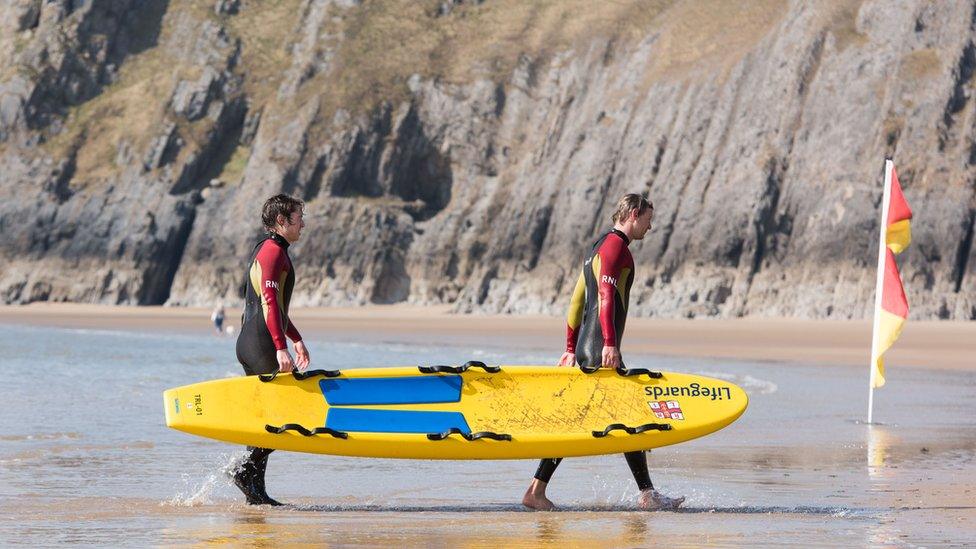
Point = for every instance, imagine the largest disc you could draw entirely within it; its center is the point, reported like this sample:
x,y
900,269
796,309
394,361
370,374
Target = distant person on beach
x,y
597,314
261,345
217,317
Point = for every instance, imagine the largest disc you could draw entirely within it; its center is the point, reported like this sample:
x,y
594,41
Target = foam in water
x,y
746,381
40,436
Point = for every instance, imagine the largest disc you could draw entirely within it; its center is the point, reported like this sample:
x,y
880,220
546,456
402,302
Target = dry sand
x,y
929,344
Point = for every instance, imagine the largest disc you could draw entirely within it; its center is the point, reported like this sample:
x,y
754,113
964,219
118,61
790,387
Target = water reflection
x,y
547,528
635,525
880,441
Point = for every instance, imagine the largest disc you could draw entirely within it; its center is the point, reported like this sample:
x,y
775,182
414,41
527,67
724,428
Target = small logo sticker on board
x,y
667,409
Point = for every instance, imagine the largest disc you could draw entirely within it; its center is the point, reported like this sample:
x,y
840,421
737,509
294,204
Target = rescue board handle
x,y
296,427
440,369
632,430
301,376
466,436
639,371
625,372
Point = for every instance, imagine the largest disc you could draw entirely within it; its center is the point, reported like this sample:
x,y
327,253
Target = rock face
x,y
759,132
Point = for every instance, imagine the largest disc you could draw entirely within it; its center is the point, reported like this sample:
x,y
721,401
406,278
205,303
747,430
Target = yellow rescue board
x,y
518,412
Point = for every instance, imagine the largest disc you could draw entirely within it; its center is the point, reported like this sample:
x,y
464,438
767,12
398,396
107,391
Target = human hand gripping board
x,y
465,412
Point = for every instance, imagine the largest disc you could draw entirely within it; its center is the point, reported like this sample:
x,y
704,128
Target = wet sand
x,y
923,344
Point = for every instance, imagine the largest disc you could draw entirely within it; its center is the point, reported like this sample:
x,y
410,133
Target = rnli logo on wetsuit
x,y
609,280
270,284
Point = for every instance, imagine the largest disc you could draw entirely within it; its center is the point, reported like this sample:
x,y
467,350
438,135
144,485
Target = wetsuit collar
x,y
279,240
621,234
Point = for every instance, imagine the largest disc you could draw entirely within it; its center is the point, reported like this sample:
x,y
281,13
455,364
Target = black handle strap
x,y
312,373
472,436
440,369
625,372
632,430
296,427
300,376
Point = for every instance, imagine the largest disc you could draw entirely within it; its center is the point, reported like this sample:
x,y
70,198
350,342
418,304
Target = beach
x,y
923,344
85,456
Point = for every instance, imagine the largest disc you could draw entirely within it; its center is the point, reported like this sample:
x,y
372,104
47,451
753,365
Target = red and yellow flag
x,y
892,311
899,232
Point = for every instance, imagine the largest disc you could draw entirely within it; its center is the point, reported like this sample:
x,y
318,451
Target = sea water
x,y
86,458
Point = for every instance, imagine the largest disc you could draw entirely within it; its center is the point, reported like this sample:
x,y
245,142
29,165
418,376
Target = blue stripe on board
x,y
394,421
392,390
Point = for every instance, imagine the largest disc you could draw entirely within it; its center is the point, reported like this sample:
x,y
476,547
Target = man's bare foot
x,y
652,500
535,497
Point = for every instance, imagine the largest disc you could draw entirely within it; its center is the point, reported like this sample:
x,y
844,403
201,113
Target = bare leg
x,y
535,496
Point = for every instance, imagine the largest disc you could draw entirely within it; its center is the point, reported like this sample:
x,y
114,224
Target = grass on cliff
x,y
266,29
374,48
377,47
234,168
129,111
386,41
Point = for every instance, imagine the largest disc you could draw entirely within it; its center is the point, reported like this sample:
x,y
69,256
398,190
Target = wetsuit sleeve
x,y
292,332
575,315
272,264
612,259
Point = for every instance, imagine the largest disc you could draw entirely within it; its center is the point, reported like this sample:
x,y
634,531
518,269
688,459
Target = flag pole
x,y
879,285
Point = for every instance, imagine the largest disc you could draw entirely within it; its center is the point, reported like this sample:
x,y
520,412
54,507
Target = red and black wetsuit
x,y
268,284
598,308
596,319
265,323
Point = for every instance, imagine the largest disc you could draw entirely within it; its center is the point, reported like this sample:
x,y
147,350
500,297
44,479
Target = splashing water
x,y
200,493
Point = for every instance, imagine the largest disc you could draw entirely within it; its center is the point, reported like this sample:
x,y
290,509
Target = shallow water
x,y
85,458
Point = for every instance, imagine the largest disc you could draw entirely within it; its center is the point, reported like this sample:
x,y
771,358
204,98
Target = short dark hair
x,y
630,203
279,204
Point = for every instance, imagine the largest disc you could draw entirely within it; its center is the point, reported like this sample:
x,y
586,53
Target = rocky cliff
x,y
467,152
